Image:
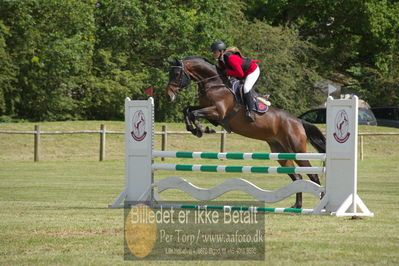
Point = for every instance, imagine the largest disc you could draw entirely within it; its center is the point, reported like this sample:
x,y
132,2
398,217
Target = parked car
x,y
318,116
387,116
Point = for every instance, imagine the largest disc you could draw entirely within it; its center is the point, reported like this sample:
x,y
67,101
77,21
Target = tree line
x,y
78,59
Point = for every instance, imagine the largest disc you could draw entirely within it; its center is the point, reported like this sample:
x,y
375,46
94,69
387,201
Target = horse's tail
x,y
315,137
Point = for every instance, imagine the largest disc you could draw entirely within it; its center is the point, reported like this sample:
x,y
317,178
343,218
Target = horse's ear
x,y
177,61
170,62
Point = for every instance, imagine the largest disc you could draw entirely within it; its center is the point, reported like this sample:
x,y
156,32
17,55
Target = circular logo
x,y
138,126
262,107
341,130
140,230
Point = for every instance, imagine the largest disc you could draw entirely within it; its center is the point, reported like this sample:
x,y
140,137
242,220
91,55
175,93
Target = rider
x,y
234,64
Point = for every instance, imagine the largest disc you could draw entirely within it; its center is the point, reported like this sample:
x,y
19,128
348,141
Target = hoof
x,y
190,128
209,130
295,206
193,130
322,195
198,133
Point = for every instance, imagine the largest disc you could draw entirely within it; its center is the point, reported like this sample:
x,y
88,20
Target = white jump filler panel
x,y
340,169
341,197
139,122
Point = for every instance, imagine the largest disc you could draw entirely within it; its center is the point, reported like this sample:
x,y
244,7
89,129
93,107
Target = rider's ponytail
x,y
234,50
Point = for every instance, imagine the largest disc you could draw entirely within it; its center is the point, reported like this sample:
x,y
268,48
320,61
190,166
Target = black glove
x,y
222,71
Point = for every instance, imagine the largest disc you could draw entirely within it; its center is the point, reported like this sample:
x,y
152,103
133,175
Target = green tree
x,y
288,65
8,72
353,34
80,59
110,83
51,42
146,33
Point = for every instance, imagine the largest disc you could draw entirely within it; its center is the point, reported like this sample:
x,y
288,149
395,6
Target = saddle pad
x,y
259,105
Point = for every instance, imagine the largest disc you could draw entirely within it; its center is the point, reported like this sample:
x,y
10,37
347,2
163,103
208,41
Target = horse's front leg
x,y
187,118
210,113
192,124
191,115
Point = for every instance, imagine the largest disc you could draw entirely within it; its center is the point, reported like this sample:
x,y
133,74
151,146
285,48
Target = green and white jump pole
x,y
236,208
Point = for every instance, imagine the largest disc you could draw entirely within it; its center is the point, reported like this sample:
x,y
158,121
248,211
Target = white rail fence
x,y
164,139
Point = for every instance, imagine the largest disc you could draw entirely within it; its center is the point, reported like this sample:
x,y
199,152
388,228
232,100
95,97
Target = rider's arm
x,y
235,63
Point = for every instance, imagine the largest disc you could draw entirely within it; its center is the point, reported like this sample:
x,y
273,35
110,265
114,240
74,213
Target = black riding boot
x,y
248,100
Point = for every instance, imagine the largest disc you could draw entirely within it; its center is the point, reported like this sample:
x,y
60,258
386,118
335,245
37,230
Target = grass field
x,y
55,211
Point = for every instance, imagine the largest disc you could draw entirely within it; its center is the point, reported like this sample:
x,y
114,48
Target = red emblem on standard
x,y
341,134
138,125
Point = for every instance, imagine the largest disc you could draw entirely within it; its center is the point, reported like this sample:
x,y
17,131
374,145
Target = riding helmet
x,y
217,46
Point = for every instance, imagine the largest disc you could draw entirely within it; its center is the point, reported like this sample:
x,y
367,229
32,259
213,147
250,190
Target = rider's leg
x,y
248,84
249,103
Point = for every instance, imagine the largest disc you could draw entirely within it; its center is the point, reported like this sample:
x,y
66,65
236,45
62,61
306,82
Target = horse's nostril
x,y
170,96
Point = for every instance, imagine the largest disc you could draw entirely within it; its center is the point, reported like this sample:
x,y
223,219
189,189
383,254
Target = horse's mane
x,y
199,58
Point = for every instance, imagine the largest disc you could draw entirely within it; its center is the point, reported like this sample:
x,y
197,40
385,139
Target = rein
x,y
195,81
184,76
210,87
207,79
198,81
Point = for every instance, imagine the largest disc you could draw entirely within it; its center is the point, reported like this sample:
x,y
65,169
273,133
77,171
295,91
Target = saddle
x,y
261,102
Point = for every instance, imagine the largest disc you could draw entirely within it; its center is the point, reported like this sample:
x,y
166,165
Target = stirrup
x,y
249,116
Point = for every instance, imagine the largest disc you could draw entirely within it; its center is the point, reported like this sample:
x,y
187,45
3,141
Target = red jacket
x,y
234,66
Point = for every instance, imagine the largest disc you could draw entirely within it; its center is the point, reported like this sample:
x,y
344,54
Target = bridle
x,y
185,79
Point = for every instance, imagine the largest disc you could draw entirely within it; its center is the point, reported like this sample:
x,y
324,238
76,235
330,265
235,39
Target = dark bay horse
x,y
282,131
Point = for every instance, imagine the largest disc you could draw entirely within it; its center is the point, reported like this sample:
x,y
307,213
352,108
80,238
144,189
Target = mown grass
x,y
55,211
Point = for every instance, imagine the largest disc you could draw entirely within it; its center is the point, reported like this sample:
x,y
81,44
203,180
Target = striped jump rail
x,y
238,169
240,156
237,208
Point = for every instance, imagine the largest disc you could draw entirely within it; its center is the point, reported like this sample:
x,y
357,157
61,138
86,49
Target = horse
x,y
283,132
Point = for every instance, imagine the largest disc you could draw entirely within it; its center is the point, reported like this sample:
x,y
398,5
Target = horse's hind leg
x,y
313,177
298,145
276,147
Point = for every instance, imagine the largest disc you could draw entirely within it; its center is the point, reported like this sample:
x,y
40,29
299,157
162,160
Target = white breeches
x,y
250,80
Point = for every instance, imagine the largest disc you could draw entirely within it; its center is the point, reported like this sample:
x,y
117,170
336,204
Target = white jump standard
x,y
340,169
